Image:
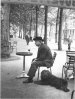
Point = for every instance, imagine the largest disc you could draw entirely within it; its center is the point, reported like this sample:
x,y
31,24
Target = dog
x,y
49,79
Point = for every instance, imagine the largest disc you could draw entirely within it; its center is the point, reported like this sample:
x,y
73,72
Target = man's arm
x,y
41,54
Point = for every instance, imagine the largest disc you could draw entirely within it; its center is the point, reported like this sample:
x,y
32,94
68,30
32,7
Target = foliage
x,y
26,13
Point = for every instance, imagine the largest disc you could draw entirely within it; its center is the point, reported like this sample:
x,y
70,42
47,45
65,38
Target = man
x,y
27,38
44,58
69,43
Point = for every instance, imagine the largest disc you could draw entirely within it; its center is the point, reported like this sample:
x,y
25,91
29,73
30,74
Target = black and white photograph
x,y
37,49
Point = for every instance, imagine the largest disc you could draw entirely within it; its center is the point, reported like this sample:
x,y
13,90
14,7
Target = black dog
x,y
59,83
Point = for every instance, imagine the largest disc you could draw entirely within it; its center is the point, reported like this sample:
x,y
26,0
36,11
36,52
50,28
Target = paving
x,y
13,88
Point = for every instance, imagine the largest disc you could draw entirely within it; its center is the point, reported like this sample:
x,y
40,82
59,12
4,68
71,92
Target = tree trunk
x,y
31,23
41,30
50,31
20,28
24,30
5,31
19,31
45,35
36,20
60,30
57,23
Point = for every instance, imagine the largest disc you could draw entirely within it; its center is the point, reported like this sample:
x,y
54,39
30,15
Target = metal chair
x,y
69,65
54,56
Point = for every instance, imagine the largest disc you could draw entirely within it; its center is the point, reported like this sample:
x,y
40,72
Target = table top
x,y
24,53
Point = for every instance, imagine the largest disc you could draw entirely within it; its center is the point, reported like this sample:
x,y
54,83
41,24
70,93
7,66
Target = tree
x,y
45,35
60,29
57,24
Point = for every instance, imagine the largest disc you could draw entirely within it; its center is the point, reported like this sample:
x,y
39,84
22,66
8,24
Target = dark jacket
x,y
44,53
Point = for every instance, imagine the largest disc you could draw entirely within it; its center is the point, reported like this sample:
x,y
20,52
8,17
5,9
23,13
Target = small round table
x,y
23,75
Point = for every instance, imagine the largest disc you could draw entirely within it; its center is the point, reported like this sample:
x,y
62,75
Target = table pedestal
x,y
23,75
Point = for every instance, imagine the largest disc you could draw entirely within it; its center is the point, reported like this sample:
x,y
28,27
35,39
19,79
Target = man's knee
x,y
35,64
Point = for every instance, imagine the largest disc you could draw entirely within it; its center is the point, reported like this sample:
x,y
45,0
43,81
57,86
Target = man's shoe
x,y
28,81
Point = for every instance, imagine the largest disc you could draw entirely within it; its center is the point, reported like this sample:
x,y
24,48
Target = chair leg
x,y
62,72
38,73
65,74
50,70
72,95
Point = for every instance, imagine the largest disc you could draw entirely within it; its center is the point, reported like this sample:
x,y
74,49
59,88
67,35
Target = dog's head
x,y
45,75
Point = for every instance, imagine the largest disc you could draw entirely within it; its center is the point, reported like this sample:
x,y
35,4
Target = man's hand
x,y
34,59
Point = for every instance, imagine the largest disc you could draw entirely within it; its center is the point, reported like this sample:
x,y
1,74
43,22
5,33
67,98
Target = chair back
x,y
70,59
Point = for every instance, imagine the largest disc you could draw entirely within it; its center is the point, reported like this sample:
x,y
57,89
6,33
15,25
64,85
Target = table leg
x,y
23,63
23,75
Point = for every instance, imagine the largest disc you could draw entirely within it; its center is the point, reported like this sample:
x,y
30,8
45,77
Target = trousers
x,y
35,65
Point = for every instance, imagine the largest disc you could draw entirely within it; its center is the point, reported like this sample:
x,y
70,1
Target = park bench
x,y
5,48
13,45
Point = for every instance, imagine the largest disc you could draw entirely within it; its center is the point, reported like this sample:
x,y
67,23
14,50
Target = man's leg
x,y
33,69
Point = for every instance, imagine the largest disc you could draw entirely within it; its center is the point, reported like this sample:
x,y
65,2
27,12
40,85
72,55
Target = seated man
x,y
44,58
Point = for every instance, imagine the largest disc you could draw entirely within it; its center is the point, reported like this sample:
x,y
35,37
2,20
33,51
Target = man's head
x,y
38,41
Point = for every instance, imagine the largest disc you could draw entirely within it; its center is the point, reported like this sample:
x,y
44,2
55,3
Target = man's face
x,y
37,43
